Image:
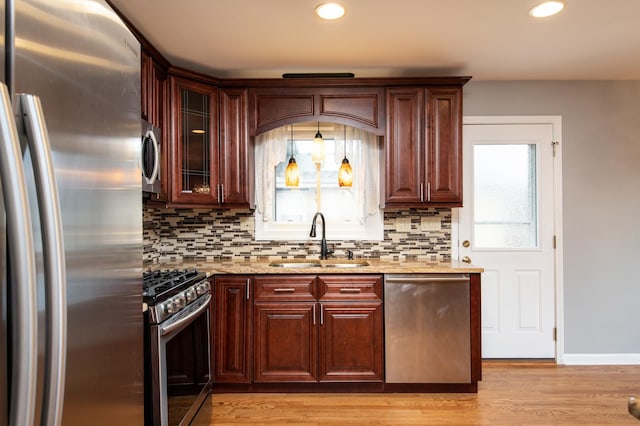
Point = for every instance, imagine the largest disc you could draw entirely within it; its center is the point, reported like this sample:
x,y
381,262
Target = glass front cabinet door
x,y
195,149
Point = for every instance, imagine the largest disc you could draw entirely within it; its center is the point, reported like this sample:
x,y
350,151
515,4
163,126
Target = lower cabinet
x,y
350,342
286,342
305,329
232,329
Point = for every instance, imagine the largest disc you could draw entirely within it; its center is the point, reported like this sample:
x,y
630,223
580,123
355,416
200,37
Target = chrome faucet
x,y
324,251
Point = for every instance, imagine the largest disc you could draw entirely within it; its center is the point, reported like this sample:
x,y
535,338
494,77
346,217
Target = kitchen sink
x,y
302,264
294,264
346,264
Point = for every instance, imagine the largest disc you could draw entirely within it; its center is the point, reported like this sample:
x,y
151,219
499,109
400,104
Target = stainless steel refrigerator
x,y
71,339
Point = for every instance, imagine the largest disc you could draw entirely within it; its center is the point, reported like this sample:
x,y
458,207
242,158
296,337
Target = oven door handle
x,y
193,315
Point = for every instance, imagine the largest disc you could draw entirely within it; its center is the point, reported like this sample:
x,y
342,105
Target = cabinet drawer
x,y
285,287
350,287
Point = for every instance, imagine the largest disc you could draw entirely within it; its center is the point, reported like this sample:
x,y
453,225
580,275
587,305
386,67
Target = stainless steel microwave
x,y
151,158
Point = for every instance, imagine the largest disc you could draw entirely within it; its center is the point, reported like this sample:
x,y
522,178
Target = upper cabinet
x,y
209,127
275,107
211,156
236,152
195,154
423,147
154,96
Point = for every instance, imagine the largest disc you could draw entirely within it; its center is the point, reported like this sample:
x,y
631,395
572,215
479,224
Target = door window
x,y
505,196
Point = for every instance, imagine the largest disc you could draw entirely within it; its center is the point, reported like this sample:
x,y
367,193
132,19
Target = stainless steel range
x,y
177,347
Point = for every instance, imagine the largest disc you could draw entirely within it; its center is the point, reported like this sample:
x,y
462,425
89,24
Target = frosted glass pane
x,y
505,204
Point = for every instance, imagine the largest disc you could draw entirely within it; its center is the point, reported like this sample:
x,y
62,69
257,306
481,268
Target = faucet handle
x,y
331,250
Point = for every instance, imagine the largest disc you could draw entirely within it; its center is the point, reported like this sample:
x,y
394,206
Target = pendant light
x,y
317,152
291,174
345,174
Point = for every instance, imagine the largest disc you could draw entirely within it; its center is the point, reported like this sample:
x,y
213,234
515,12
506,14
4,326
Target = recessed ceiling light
x,y
330,11
547,8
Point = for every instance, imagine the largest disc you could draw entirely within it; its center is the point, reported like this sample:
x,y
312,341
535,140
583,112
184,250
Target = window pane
x,y
298,204
505,196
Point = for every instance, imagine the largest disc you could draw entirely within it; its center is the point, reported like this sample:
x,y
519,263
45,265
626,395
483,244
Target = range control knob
x,y
191,294
180,301
170,307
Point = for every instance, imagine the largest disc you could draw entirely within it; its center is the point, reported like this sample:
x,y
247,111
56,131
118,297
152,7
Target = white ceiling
x,y
485,39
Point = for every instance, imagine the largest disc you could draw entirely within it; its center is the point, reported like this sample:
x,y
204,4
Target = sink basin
x,y
295,264
301,264
346,264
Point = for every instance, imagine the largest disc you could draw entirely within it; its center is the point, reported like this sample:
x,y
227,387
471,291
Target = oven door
x,y
180,350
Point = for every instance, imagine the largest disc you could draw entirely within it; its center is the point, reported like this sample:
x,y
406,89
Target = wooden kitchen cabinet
x,y
351,329
360,107
423,147
212,157
154,96
195,154
236,151
232,329
285,342
154,86
285,330
335,336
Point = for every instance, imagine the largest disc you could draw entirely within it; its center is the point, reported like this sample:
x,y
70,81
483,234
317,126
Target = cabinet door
x,y
194,171
285,340
232,329
236,155
444,148
146,64
351,343
405,158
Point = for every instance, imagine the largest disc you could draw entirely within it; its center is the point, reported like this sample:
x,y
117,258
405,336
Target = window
x,y
505,196
285,213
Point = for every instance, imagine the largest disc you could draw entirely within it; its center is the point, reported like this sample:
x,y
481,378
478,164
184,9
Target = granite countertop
x,y
374,266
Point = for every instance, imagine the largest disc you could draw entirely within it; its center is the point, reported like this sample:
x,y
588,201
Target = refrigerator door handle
x,y
30,109
23,270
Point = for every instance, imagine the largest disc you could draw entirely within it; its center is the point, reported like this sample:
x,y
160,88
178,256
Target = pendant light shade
x,y
291,173
345,173
317,152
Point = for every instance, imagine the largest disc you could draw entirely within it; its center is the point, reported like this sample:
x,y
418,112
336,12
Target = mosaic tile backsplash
x,y
210,235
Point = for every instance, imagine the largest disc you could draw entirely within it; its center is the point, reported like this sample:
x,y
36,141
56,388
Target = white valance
x,y
363,152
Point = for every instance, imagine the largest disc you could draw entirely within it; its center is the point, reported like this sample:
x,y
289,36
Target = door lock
x,y
466,243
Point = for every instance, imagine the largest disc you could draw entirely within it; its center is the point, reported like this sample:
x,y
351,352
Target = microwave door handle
x,y
156,158
150,137
23,269
55,280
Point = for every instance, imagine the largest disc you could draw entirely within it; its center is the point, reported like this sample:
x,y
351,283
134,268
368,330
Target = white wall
x,y
601,200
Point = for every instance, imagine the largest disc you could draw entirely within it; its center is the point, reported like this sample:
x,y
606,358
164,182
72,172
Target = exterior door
x,y
507,227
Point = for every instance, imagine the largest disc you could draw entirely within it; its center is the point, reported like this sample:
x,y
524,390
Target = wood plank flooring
x,y
511,393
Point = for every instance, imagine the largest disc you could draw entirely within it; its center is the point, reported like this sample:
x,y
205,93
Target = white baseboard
x,y
601,359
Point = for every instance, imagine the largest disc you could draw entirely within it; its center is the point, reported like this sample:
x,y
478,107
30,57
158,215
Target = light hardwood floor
x,y
511,393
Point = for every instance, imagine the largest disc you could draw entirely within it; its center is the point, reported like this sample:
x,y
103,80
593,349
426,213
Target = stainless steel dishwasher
x,y
427,328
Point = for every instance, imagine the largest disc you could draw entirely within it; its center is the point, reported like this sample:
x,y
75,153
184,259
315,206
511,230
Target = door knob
x,y
466,259
466,243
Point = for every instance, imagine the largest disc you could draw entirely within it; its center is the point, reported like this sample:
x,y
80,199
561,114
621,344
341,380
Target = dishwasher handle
x,y
425,278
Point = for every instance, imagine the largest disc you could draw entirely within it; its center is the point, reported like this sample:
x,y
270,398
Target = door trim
x,y
556,123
